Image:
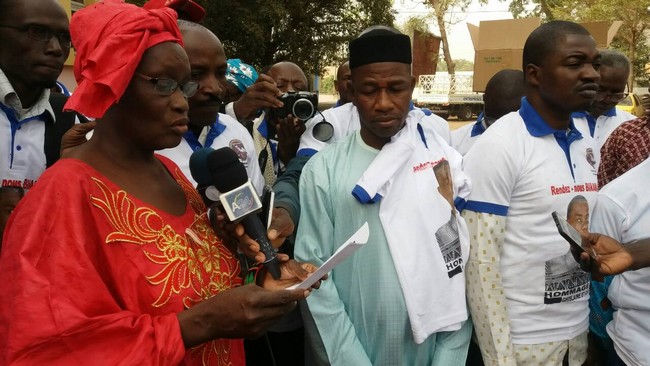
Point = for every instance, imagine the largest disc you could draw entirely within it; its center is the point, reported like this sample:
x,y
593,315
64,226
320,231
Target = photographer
x,y
289,78
275,130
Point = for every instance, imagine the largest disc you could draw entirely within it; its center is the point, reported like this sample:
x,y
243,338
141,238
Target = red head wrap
x,y
187,8
110,38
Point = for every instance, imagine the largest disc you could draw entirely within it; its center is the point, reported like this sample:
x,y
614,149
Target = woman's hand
x,y
75,136
240,312
291,273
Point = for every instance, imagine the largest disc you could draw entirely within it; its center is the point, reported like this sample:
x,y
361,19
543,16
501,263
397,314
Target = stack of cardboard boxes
x,y
499,44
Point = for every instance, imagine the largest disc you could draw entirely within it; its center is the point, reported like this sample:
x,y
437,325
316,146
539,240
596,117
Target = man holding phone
x,y
570,233
527,295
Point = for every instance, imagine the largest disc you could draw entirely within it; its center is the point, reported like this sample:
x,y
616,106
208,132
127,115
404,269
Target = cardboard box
x,y
603,32
499,44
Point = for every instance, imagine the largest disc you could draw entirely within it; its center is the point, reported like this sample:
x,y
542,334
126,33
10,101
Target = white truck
x,y
448,95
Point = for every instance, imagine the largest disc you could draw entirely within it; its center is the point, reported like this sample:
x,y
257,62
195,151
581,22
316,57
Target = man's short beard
x,y
48,84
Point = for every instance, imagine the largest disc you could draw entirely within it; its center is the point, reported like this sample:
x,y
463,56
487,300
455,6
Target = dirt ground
x,y
454,123
325,101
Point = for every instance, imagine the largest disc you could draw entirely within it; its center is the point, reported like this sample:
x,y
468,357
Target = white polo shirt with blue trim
x,y
524,170
600,128
344,120
464,137
224,132
22,136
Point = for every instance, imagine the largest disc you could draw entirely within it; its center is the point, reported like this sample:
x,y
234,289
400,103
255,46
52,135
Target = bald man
x,y
503,94
602,117
341,83
208,127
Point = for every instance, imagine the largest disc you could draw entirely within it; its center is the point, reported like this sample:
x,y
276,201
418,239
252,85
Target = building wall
x,y
67,76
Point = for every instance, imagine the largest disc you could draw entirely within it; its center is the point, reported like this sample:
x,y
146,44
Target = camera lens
x,y
303,109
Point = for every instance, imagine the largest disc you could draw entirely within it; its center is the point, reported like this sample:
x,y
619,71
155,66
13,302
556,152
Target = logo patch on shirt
x,y
238,147
590,157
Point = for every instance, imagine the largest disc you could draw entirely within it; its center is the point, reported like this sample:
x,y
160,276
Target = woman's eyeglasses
x,y
164,86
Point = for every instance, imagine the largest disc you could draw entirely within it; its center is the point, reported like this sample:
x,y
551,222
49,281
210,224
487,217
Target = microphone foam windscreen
x,y
199,166
226,170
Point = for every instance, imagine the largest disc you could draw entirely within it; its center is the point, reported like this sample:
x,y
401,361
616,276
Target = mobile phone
x,y
268,198
570,234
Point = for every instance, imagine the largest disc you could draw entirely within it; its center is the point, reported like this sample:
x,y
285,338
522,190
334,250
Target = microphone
x,y
200,173
222,169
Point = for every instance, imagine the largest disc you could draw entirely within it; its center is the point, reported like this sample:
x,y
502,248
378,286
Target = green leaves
x,y
630,38
311,33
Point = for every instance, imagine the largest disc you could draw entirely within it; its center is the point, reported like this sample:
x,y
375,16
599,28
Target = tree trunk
x,y
451,66
632,57
546,10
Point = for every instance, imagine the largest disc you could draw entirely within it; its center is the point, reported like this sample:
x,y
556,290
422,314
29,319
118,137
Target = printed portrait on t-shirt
x,y
577,214
449,242
445,181
565,281
447,235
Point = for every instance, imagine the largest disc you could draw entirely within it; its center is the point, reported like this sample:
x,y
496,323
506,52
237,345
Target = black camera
x,y
302,105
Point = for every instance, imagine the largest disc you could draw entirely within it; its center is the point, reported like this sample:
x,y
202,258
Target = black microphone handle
x,y
254,228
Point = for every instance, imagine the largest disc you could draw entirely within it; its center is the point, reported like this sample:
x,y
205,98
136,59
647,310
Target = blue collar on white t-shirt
x,y
583,114
216,129
537,127
478,127
591,121
16,124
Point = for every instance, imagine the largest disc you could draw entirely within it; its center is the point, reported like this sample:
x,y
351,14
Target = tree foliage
x,y
412,24
440,10
461,65
631,38
311,33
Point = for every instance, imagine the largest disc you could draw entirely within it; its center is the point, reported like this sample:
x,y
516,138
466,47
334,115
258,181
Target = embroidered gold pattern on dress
x,y
196,259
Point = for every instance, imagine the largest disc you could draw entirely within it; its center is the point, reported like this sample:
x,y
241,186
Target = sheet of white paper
x,y
355,242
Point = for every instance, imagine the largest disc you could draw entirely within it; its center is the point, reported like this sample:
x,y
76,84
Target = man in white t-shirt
x,y
502,95
527,295
602,117
208,127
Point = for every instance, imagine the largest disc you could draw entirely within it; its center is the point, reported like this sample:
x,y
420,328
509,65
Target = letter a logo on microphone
x,y
240,202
